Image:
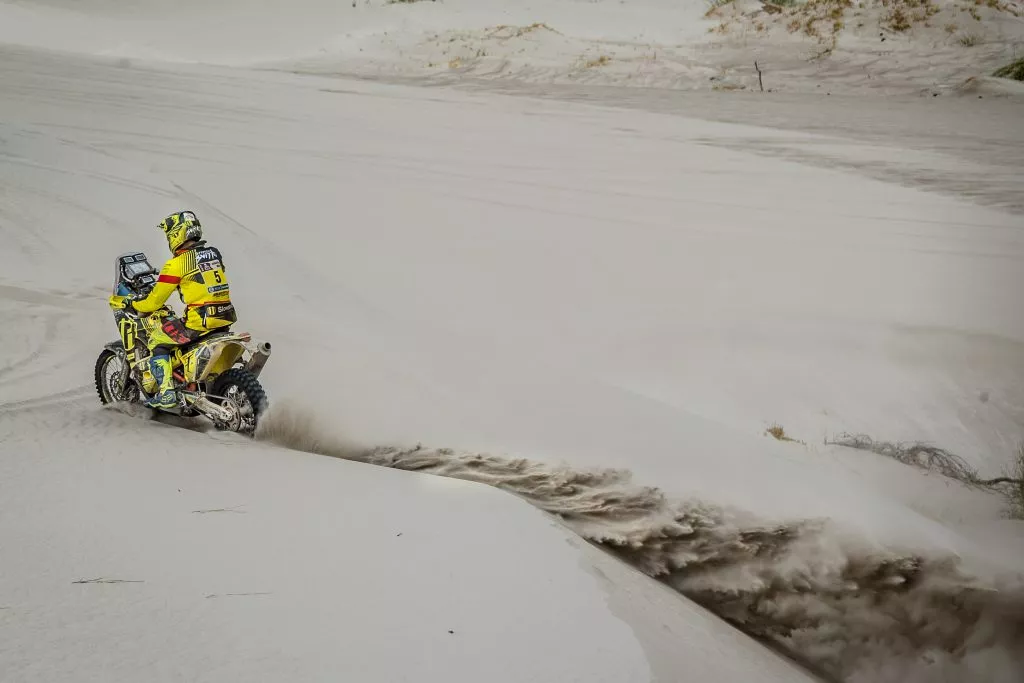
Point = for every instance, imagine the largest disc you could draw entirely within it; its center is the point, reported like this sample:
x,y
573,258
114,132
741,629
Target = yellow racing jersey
x,y
200,278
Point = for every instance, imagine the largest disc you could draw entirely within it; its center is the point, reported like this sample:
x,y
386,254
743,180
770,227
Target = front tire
x,y
106,375
243,389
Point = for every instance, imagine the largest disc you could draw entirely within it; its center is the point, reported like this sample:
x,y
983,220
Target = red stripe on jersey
x,y
171,279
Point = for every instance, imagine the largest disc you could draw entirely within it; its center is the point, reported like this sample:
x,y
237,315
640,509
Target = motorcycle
x,y
216,376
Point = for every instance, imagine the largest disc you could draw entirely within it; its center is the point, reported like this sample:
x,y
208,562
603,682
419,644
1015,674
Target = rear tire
x,y
241,387
108,393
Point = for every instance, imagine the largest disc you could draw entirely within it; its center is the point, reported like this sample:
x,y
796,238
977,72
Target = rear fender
x,y
211,358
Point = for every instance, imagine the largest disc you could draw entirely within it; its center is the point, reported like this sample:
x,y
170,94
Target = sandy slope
x,y
228,560
840,45
623,275
604,287
211,559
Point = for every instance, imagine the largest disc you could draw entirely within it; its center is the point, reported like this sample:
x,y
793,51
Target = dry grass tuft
x,y
777,432
897,20
934,459
714,7
1015,485
916,454
1013,70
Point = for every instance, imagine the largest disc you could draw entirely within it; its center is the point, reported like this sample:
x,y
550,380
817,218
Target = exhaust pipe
x,y
259,358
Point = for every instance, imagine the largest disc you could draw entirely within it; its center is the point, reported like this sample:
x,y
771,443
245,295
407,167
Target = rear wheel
x,y
242,389
112,382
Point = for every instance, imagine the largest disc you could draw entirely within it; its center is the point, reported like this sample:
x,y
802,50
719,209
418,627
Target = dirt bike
x,y
215,376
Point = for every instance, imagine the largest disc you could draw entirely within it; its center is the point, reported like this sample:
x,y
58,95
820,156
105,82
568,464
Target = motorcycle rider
x,y
197,272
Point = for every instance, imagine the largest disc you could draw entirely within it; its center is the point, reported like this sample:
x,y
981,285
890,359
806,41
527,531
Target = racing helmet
x,y
181,227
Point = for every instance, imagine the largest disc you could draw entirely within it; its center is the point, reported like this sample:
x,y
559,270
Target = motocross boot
x,y
165,398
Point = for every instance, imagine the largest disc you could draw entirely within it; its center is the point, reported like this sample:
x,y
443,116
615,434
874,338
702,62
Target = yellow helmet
x,y
180,228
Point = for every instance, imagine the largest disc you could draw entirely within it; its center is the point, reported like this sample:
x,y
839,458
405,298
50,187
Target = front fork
x,y
121,379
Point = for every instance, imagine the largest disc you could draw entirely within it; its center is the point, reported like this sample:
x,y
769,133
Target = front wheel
x,y
113,382
241,388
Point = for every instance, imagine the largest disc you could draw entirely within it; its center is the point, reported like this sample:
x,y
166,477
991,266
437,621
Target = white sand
x,y
599,286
